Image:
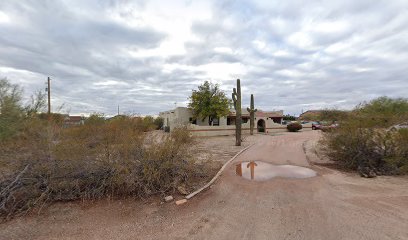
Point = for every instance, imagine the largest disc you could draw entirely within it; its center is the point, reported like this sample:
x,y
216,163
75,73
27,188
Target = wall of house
x,y
167,118
222,122
202,122
177,117
181,116
227,130
222,130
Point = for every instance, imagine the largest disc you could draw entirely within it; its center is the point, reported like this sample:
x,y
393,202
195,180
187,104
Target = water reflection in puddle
x,y
261,171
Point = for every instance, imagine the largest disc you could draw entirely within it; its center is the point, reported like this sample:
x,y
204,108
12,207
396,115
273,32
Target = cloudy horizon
x,y
147,56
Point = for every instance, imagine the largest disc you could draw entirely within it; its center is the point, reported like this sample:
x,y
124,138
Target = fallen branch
x,y
15,180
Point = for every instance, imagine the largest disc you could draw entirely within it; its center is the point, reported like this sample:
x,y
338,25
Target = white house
x,y
265,121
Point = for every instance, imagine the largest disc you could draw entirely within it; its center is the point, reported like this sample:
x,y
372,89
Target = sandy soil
x,y
220,148
332,205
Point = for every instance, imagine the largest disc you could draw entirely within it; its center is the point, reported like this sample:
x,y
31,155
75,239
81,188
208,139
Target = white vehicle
x,y
398,126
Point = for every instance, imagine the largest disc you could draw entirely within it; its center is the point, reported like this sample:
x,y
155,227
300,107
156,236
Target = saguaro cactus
x,y
236,97
252,115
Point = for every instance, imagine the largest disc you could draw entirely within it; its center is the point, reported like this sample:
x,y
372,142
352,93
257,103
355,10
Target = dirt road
x,y
332,205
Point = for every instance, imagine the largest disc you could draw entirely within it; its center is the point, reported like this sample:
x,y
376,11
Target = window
x,y
276,120
192,121
216,122
230,120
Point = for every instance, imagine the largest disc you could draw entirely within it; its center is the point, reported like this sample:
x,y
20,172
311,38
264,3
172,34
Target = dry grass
x,y
45,163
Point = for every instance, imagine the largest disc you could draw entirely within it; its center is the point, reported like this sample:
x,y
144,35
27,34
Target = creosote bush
x,y
181,135
43,161
294,127
48,163
365,142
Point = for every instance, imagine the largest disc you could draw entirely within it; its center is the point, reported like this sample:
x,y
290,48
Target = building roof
x,y
244,112
258,113
269,114
73,119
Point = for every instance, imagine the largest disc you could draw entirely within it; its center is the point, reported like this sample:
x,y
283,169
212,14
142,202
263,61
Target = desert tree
x,y
11,110
209,101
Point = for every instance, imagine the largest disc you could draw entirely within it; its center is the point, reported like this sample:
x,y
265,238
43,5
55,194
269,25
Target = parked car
x,y
286,122
316,126
398,127
329,127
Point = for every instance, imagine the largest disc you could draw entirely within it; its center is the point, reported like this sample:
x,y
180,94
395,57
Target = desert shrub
x,y
42,162
165,166
294,127
289,117
328,115
11,110
95,119
333,115
148,123
383,111
89,162
158,122
181,134
365,143
399,156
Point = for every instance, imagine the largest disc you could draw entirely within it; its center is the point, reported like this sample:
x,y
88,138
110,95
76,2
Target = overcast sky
x,y
147,56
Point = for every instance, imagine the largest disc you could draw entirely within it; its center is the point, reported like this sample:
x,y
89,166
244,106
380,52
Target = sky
x,y
148,56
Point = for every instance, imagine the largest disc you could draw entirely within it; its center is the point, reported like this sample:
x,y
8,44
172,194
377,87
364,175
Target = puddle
x,y
261,171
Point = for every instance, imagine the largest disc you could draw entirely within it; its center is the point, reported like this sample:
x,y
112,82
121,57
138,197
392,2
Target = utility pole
x,y
49,95
118,110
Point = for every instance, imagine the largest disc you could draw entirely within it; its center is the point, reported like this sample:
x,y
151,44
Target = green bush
x,y
399,158
158,122
11,110
95,119
294,127
365,142
148,123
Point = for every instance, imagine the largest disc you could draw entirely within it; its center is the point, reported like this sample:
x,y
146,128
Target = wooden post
x,y
49,95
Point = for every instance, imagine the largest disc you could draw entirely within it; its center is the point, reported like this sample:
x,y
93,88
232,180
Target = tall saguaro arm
x,y
252,112
236,98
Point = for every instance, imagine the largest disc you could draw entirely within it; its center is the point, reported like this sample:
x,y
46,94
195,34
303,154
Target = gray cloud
x,y
292,55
